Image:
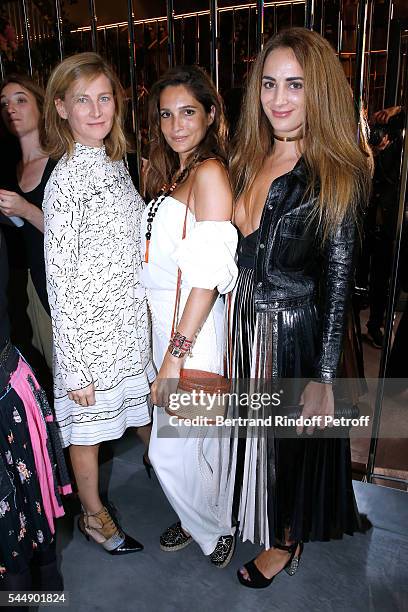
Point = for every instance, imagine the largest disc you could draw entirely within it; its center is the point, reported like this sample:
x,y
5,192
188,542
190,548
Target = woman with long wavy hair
x,y
300,179
187,227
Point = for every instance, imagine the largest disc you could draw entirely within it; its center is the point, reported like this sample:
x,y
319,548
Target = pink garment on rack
x,y
38,435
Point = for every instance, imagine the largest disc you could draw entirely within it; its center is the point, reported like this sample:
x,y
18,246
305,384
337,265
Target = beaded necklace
x,y
155,203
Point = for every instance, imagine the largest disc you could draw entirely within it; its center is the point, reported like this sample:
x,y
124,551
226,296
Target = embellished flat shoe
x,y
103,530
256,578
223,552
174,538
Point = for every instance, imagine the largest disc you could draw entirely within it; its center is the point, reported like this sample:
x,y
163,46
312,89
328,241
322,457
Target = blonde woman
x,y
102,364
300,179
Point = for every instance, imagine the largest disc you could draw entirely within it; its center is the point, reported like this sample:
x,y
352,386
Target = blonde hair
x,y
59,136
339,164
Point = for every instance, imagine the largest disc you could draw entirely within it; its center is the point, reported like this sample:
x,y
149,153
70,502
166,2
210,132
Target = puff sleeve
x,y
206,257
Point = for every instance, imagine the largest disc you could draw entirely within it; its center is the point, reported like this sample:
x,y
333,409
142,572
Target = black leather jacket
x,y
293,264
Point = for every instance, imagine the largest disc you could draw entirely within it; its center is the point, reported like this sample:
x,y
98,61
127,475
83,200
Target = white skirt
x,y
127,404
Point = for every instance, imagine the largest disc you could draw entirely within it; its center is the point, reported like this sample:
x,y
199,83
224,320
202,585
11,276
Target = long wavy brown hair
x,y
27,83
59,136
334,145
163,161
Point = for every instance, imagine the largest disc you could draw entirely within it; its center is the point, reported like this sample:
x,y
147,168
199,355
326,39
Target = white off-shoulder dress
x,y
188,460
98,306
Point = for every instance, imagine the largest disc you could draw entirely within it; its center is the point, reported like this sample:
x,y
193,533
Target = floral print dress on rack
x,y
23,524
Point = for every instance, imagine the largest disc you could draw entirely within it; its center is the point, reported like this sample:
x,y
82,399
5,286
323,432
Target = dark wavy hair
x,y
163,161
27,83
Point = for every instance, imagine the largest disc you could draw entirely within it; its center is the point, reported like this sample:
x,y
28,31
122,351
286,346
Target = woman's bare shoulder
x,y
211,175
212,191
211,169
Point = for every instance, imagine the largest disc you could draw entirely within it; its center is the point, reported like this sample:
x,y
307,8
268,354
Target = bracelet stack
x,y
179,346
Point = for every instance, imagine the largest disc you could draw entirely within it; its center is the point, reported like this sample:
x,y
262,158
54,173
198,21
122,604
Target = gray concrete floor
x,y
367,572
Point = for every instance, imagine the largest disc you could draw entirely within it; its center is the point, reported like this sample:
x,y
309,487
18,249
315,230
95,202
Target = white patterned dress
x,y
98,307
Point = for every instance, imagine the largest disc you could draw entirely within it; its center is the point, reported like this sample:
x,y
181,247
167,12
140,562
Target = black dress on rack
x,y
287,288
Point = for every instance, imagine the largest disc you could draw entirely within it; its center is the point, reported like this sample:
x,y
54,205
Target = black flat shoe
x,y
223,552
174,538
256,578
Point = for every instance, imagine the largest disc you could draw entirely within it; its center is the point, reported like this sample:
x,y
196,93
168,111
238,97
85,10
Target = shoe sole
x,y
175,548
373,342
118,553
229,557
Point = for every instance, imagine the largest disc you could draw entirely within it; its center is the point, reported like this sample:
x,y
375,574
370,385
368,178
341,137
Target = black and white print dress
x,y
98,307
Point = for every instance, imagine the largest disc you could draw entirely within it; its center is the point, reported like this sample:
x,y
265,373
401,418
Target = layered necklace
x,y
165,191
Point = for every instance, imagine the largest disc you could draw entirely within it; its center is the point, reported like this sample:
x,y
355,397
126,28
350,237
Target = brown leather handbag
x,y
191,380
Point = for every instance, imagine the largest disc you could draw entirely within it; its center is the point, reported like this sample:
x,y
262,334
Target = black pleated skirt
x,y
296,484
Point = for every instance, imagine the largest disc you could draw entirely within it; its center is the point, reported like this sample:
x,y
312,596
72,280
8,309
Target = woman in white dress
x,y
186,168
102,363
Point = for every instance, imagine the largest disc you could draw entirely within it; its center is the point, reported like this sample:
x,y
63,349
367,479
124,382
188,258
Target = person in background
x,y
22,193
381,220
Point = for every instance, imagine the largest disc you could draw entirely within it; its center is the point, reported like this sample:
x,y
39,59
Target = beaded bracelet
x,y
179,346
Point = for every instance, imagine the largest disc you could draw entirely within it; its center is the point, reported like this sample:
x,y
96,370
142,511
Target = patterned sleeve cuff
x,y
77,380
